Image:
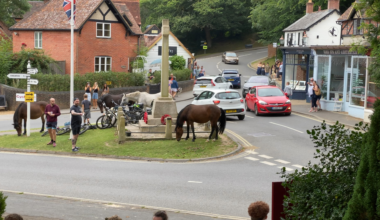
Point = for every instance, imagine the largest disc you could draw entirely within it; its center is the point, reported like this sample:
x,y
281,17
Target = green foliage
x,y
2,204
322,190
37,57
178,62
365,202
57,82
6,61
9,8
181,75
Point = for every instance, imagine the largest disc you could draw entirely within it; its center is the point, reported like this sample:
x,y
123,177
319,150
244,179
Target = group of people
x,y
263,69
95,93
198,71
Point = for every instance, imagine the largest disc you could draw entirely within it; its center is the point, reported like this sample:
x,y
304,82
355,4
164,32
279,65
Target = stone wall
x,y
63,98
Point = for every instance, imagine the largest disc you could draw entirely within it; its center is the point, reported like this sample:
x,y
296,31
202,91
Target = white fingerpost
x,y
72,59
28,103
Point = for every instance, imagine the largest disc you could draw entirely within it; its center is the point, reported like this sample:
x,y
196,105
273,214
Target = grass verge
x,y
271,62
103,142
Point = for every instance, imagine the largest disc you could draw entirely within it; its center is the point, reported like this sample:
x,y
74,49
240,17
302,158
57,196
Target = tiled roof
x,y
35,6
124,10
150,43
52,16
4,29
134,8
309,20
150,27
347,14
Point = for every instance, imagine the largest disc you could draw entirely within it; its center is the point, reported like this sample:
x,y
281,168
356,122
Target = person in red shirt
x,y
52,112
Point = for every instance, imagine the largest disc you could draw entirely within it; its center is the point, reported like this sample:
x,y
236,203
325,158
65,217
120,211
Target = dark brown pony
x,y
37,110
200,114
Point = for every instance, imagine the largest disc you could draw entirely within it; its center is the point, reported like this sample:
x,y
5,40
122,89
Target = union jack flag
x,y
67,8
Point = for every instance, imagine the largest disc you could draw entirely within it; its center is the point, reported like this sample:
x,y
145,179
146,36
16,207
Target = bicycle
x,y
67,129
107,120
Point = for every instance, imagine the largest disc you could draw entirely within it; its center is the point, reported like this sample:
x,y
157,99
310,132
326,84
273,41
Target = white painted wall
x,y
153,53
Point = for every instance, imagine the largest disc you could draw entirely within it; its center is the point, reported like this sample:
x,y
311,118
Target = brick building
x,y
106,33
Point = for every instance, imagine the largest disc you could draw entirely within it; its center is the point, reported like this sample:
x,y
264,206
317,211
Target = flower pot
x,y
128,133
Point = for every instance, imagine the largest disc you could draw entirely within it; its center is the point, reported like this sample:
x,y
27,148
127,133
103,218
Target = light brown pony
x,y
37,110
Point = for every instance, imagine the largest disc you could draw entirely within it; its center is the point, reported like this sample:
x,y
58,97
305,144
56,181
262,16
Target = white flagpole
x,y
72,59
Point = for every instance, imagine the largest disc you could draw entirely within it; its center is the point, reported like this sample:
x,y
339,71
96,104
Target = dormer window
x,y
103,30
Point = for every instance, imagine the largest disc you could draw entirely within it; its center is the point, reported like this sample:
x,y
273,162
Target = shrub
x,y
2,204
181,75
178,62
37,57
57,82
6,61
322,190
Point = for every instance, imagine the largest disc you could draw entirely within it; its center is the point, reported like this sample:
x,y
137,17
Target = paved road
x,y
223,187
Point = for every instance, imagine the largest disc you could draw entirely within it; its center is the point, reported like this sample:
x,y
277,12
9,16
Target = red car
x,y
267,100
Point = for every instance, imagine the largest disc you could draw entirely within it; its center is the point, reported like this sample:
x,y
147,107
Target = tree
x,y
6,61
178,62
9,8
322,190
205,15
2,204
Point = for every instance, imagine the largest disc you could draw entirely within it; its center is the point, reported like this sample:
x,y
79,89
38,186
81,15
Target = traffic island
x,y
104,143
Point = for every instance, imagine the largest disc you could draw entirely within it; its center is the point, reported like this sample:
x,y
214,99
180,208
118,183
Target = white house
x,y
175,48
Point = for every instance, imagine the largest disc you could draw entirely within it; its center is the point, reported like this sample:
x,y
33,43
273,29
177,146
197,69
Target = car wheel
x,y
241,117
256,111
246,107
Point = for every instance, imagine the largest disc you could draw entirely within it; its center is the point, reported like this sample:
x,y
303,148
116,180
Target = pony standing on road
x,y
37,110
200,114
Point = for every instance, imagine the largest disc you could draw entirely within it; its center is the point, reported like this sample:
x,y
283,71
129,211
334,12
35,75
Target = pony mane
x,y
16,115
177,124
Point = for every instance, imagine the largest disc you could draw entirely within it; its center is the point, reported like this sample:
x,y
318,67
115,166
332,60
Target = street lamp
x,y
282,40
305,39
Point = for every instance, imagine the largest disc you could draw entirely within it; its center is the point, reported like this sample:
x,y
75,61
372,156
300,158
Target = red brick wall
x,y
271,51
55,43
119,47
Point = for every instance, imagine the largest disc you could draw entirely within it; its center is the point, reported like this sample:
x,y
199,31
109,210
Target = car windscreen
x,y
230,74
258,80
203,81
270,92
231,54
228,95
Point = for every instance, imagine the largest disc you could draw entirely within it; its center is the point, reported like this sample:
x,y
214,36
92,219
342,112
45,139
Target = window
x,y
102,64
323,72
357,24
103,30
299,38
218,80
270,92
358,81
228,95
373,92
38,39
337,78
203,81
253,91
206,95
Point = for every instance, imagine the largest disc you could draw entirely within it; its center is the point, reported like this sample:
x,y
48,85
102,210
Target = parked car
x,y
210,82
232,76
229,100
256,81
267,100
230,57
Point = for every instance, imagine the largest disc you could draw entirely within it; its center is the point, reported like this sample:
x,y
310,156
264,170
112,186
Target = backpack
x,y
318,91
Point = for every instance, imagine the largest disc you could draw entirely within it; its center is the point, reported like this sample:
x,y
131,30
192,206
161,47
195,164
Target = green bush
x,y
6,61
37,57
322,190
2,204
181,75
57,82
178,62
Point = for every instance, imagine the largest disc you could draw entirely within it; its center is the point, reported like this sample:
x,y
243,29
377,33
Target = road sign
x,y
205,42
109,82
17,76
33,81
20,97
204,47
32,70
274,45
29,96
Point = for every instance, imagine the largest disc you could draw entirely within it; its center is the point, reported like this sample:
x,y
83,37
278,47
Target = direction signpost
x,y
29,96
204,45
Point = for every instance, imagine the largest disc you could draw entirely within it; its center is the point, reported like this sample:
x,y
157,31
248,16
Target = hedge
x,y
56,82
181,75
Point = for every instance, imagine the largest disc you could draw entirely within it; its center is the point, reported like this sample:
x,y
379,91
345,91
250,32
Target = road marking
x,y
130,205
286,127
251,152
298,166
245,142
194,182
265,156
282,161
251,158
249,116
287,168
217,66
268,163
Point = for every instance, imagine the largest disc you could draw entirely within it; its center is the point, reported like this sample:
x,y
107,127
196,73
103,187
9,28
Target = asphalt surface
x,y
223,187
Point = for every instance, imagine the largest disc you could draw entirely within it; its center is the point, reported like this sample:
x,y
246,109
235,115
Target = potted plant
x,y
128,132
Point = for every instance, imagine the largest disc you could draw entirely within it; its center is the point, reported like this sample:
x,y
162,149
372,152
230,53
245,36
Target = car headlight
x,y
262,103
287,102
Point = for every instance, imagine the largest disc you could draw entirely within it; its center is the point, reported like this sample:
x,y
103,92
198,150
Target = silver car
x,y
230,57
256,81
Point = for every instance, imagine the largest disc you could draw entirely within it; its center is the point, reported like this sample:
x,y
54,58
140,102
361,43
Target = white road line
x,y
265,156
268,163
194,182
251,158
287,168
251,152
282,161
249,116
298,166
286,127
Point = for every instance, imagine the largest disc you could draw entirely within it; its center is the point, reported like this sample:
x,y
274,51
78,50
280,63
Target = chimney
x,y
333,4
309,7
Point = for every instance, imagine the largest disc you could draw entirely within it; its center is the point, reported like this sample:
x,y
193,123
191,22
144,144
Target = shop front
x,y
298,67
343,78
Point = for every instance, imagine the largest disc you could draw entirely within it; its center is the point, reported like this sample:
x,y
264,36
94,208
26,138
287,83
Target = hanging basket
x,y
163,121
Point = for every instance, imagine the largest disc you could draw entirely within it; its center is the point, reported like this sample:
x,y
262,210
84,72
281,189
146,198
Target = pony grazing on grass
x,y
201,114
37,110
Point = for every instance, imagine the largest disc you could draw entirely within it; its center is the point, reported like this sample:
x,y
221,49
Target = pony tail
x,y
223,121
